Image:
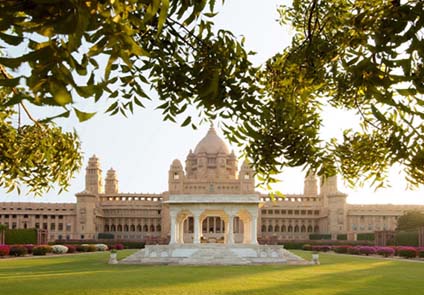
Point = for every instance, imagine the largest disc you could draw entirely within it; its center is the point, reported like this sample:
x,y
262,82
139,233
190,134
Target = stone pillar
x,y
254,228
196,227
173,216
181,231
230,229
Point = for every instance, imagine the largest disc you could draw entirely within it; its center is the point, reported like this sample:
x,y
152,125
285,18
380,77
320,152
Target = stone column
x,y
196,227
254,228
181,231
246,230
230,229
173,217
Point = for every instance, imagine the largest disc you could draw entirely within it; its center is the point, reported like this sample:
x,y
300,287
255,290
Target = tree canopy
x,y
359,55
410,220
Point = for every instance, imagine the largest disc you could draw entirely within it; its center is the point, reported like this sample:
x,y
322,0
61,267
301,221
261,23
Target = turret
x,y
175,177
111,186
310,188
247,178
329,185
93,176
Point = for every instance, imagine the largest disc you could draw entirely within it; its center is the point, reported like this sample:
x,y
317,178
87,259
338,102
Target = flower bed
x,y
4,250
59,249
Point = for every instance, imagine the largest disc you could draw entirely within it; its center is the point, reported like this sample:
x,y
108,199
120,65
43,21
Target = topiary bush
x,y
4,250
119,247
366,250
385,251
101,247
29,248
71,248
18,250
407,252
321,248
341,249
41,250
59,249
307,247
353,250
82,248
420,252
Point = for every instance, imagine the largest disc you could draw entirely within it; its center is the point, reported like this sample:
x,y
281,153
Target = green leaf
x,y
186,121
83,116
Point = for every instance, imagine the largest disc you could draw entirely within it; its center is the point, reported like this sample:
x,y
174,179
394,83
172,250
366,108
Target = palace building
x,y
211,173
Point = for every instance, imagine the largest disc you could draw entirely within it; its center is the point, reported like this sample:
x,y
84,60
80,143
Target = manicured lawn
x,y
90,274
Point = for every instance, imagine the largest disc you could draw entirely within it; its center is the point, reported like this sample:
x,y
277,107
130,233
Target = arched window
x,y
290,229
119,227
283,228
316,229
152,228
263,229
270,228
296,228
310,229
139,228
126,228
106,227
158,228
303,229
132,227
277,228
112,227
145,228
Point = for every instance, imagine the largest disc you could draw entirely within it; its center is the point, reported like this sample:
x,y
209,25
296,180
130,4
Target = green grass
x,y
90,274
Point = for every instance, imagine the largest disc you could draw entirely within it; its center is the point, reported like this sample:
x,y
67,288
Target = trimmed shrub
x,y
353,250
119,247
29,248
71,248
82,248
105,236
385,251
101,247
307,247
59,249
133,245
4,250
420,252
20,236
18,250
41,250
406,238
365,237
342,237
91,248
320,237
321,248
407,252
366,250
341,249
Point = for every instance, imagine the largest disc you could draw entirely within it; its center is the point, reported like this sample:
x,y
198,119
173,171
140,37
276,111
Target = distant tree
x,y
410,220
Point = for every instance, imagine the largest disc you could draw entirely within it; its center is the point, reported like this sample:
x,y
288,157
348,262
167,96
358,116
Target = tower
x,y
335,202
310,188
93,176
111,186
175,177
247,178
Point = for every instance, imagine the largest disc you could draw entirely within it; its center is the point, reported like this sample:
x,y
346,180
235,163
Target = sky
x,y
141,147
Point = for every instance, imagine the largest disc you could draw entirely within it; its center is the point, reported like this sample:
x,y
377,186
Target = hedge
x,y
105,236
365,237
320,237
21,236
342,237
406,238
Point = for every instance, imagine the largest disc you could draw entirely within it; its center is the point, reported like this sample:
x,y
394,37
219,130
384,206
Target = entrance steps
x,y
213,254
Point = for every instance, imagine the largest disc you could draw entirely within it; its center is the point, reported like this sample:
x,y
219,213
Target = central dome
x,y
211,144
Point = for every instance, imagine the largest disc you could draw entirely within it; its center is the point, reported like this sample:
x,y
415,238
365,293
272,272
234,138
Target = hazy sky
x,y
142,147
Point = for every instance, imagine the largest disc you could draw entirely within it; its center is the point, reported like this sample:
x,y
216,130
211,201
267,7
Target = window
x,y
13,216
176,176
14,225
246,176
52,226
60,226
37,225
45,225
68,227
